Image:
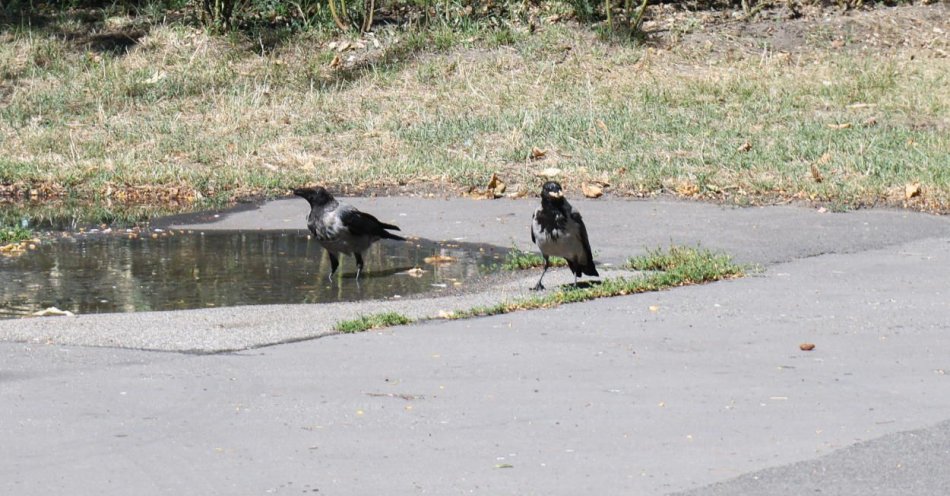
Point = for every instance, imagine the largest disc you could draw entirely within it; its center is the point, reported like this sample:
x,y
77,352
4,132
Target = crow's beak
x,y
298,192
556,194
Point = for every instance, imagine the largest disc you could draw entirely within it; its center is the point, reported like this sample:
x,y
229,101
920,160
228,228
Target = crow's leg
x,y
540,286
359,264
334,263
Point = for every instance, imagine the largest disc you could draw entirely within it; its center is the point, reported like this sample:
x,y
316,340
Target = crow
x,y
559,231
341,228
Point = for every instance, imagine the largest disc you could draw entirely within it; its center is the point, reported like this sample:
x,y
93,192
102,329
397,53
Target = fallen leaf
x,y
870,121
744,147
335,62
592,190
816,174
415,272
537,153
844,125
496,187
806,346
911,190
687,188
445,314
549,173
439,259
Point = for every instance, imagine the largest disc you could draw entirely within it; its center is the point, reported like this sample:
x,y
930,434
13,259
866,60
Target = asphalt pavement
x,y
699,390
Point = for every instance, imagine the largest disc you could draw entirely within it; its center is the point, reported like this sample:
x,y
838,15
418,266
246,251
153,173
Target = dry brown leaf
x,y
439,259
537,153
744,147
687,188
335,62
592,190
816,174
496,187
806,346
870,121
911,190
844,125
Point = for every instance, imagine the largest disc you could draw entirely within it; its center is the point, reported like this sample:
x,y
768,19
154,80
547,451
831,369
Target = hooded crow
x,y
341,228
559,231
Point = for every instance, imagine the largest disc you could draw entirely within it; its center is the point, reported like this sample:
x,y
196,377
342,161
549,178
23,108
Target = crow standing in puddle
x,y
559,231
341,228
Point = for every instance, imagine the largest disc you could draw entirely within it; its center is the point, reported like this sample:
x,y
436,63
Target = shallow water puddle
x,y
175,270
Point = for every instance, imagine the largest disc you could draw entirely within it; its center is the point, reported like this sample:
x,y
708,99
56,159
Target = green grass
x,y
518,259
374,321
676,266
14,234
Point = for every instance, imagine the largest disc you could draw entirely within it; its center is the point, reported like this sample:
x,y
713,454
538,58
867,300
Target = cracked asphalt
x,y
697,390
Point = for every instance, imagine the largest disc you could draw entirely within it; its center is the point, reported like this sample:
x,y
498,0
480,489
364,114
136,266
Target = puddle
x,y
113,273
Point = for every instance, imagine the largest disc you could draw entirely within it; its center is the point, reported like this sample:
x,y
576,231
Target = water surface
x,y
175,270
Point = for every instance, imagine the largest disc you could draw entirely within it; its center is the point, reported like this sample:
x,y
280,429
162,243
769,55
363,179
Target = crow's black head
x,y
315,196
551,191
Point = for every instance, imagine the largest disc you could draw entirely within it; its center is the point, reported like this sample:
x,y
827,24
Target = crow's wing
x,y
583,230
363,224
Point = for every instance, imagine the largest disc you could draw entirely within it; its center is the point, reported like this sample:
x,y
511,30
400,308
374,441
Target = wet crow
x,y
341,228
559,231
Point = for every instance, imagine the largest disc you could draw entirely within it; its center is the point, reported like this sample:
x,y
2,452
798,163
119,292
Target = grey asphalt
x,y
701,390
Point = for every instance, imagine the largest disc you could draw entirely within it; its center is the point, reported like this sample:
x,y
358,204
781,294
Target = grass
x,y
185,117
14,235
673,267
518,259
374,321
676,266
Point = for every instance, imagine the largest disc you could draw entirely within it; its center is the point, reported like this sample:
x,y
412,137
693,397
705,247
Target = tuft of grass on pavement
x,y
676,266
373,321
518,259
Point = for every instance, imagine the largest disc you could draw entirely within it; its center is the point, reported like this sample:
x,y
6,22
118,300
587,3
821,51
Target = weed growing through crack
x,y
675,266
373,321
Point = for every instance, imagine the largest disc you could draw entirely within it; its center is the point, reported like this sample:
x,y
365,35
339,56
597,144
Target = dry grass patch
x,y
220,119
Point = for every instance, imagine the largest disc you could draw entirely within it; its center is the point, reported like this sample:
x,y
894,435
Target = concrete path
x,y
700,389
